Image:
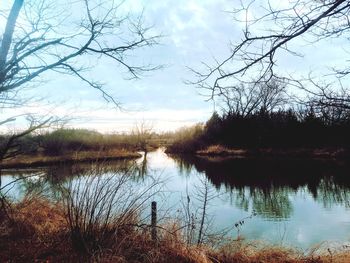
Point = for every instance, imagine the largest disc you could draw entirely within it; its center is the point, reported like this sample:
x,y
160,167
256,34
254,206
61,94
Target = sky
x,y
193,31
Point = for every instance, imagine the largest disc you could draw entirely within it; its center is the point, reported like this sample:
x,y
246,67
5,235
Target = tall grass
x,y
63,140
101,220
103,207
38,233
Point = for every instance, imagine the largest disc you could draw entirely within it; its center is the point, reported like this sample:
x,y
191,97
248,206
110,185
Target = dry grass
x,y
73,157
34,232
218,150
221,151
37,232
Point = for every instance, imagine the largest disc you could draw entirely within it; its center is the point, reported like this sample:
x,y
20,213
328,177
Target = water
x,y
290,202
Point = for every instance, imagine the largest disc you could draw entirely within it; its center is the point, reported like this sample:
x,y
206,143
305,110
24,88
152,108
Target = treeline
x,y
306,128
63,140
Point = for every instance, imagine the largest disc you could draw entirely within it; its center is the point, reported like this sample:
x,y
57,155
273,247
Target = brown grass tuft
x,y
219,150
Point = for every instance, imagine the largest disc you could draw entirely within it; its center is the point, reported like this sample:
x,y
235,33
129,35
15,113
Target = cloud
x,y
194,31
107,119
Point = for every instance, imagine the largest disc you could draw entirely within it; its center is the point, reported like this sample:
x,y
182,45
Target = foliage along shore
x,y
313,153
261,133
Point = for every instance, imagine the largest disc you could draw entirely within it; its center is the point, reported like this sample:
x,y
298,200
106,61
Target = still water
x,y
300,203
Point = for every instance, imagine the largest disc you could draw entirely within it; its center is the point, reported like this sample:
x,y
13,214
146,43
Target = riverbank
x,y
298,153
36,230
27,161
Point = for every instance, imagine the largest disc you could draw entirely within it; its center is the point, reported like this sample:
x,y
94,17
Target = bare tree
x,y
243,100
269,30
143,132
9,144
33,47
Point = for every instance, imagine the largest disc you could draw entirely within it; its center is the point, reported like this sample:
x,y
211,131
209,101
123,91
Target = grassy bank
x,y
313,153
38,231
24,161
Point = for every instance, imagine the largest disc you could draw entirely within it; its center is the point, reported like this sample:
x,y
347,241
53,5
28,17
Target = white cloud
x,y
108,119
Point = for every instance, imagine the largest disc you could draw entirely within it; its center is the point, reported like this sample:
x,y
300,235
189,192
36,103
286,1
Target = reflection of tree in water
x,y
31,182
50,180
183,165
330,192
273,203
265,185
141,169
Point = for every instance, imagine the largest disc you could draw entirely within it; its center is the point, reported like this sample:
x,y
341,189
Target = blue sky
x,y
194,31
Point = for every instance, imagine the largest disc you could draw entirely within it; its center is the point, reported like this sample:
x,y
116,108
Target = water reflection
x,y
267,184
263,185
301,201
48,181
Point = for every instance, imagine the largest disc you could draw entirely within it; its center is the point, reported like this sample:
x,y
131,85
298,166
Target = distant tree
x,y
10,145
143,132
213,127
243,100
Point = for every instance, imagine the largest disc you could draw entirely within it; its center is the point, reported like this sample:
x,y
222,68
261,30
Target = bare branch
x,y
254,58
41,44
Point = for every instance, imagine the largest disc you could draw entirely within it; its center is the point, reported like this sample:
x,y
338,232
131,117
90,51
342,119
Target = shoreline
x,y
292,153
30,161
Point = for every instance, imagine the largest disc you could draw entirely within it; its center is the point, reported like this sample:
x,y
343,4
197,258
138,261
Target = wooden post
x,y
154,221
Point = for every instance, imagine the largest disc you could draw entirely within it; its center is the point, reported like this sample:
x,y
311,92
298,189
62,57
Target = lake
x,y
301,203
